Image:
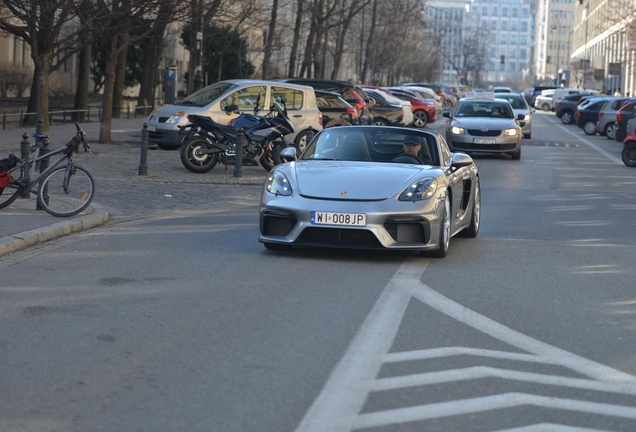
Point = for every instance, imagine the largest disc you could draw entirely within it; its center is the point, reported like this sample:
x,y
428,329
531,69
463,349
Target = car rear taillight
x,y
320,118
619,116
353,113
360,105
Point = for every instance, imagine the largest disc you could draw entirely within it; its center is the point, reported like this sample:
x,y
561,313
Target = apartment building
x,y
554,28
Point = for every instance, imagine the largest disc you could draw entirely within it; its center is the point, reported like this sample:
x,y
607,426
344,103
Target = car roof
x,y
247,82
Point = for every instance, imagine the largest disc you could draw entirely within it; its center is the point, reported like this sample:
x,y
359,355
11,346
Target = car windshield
x,y
484,109
370,143
517,101
208,94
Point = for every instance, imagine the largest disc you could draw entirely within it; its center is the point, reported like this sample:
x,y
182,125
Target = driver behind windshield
x,y
411,145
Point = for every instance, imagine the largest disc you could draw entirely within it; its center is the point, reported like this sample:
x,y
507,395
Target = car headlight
x,y
420,190
510,132
277,184
457,130
176,117
527,117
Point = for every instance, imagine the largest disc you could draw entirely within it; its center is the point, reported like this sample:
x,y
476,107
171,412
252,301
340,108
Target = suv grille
x,y
490,133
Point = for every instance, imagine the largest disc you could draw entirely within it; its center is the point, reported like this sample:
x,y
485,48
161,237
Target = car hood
x,y
343,180
484,122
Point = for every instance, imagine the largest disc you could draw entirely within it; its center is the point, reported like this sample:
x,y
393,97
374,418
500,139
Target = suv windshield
x,y
207,94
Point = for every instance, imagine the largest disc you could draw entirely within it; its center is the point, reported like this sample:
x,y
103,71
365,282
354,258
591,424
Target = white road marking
x,y
594,146
487,403
550,427
338,404
337,407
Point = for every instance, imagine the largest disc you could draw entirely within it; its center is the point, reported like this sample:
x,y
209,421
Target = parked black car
x,y
587,114
348,91
566,107
385,113
335,110
622,117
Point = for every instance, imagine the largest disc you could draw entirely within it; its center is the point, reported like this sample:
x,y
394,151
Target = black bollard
x,y
241,143
143,163
25,154
44,164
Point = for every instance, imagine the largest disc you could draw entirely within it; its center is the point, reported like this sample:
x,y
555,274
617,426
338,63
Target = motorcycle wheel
x,y
267,160
629,154
193,160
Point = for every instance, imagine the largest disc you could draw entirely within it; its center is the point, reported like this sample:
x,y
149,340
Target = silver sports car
x,y
361,187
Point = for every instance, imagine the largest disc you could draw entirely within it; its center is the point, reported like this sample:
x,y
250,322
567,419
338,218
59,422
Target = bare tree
x,y
267,54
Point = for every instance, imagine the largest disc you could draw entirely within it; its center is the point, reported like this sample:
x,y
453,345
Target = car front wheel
x,y
420,119
566,117
589,127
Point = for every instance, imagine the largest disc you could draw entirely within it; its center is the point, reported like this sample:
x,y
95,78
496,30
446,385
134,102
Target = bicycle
x,y
57,194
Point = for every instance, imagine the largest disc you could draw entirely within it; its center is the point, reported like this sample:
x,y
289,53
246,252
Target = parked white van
x,y
164,121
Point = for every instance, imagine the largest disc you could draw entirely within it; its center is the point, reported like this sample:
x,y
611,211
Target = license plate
x,y
484,140
347,219
152,128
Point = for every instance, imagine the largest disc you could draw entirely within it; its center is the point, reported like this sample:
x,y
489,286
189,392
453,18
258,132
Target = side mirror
x,y
446,114
288,154
231,109
521,117
461,160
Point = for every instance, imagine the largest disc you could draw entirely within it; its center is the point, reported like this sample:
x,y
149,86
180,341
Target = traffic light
x,y
502,59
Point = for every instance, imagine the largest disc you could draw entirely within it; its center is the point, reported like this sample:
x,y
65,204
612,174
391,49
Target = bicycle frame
x,y
35,160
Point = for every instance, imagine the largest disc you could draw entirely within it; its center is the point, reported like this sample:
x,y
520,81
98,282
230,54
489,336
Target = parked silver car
x,y
606,124
165,121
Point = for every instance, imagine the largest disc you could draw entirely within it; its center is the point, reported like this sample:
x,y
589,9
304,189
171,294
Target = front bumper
x,y
466,143
390,225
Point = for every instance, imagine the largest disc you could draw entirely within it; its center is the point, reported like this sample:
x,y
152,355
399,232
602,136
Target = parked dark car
x,y
348,91
622,117
335,110
587,114
384,112
566,107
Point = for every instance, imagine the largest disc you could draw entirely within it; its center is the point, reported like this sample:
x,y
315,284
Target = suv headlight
x,y
510,132
277,184
457,130
420,190
176,117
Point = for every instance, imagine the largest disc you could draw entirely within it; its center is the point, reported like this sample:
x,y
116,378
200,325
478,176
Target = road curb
x,y
22,240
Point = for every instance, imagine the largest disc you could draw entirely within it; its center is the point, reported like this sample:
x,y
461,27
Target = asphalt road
x,y
180,320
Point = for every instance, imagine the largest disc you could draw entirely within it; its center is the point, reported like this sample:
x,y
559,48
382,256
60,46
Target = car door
x,y
295,103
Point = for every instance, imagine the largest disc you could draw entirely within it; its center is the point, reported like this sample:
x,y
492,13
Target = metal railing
x,y
61,116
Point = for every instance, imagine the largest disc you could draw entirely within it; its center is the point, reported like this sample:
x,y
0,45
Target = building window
x,y
515,12
524,26
484,11
493,25
523,39
512,67
514,25
504,25
504,38
522,53
525,13
494,11
513,39
504,11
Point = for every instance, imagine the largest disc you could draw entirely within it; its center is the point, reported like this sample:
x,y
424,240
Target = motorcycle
x,y
629,150
206,142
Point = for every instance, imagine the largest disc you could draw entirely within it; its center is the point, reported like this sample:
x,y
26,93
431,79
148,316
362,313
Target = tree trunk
x,y
83,80
120,75
109,84
32,105
270,37
294,48
367,53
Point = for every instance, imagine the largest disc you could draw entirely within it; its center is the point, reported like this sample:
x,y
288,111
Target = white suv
x,y
164,121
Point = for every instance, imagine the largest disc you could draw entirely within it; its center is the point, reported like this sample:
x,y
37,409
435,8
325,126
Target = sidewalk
x,y
113,166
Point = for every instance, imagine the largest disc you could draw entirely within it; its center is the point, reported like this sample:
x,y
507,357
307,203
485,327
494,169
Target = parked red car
x,y
423,111
629,151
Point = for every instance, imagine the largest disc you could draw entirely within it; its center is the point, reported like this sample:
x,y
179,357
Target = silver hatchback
x,y
607,124
165,121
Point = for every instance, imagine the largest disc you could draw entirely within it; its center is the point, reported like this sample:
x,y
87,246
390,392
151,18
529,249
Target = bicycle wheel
x,y
62,201
9,193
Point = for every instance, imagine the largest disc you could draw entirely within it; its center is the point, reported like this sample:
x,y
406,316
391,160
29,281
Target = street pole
x,y
198,77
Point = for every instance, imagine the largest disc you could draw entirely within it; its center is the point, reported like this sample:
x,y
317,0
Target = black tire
x,y
169,147
380,122
9,194
337,122
475,218
57,201
276,246
444,233
193,160
567,117
589,127
528,135
610,130
300,142
420,118
629,154
516,155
